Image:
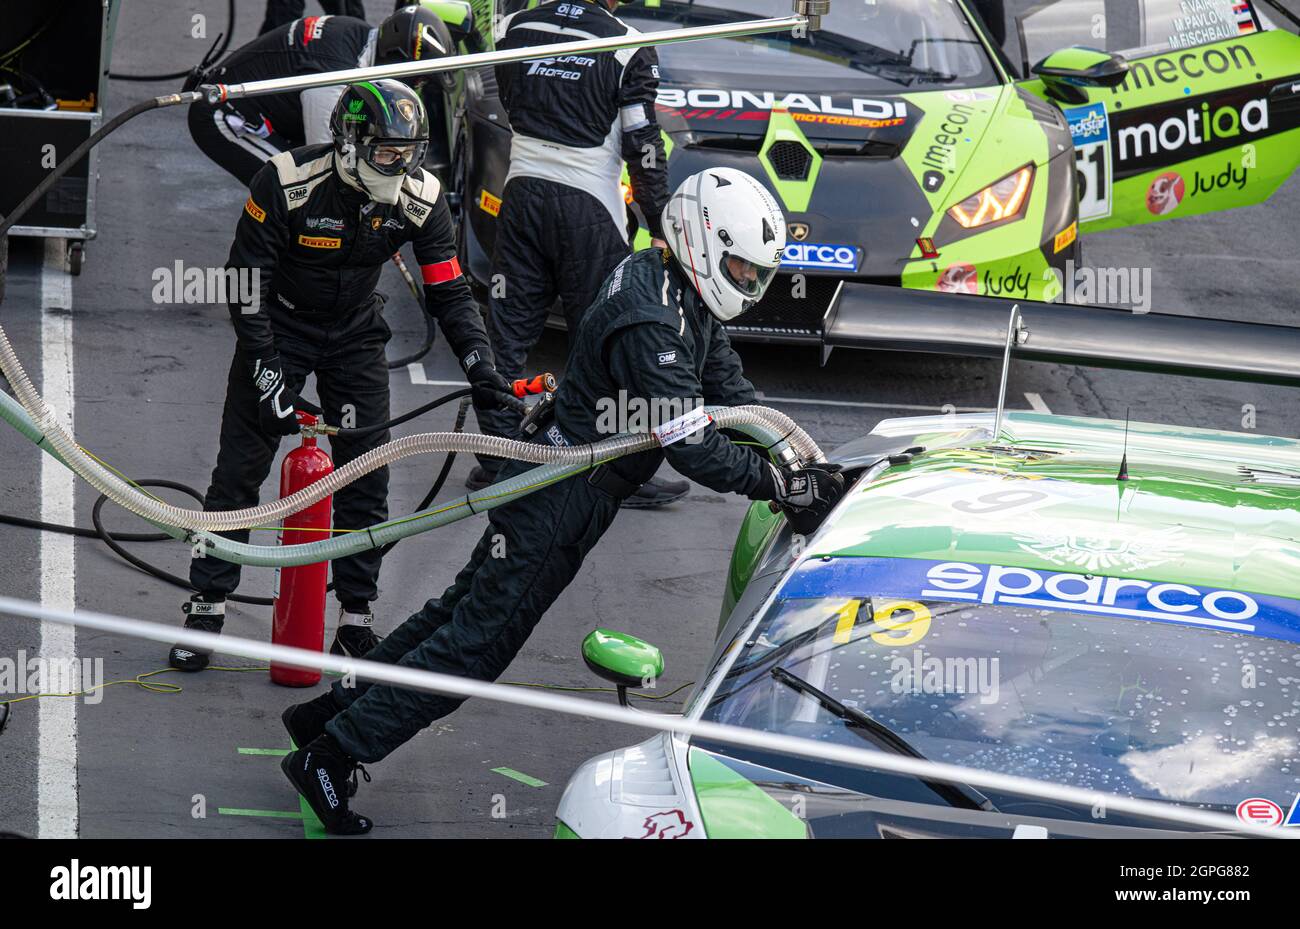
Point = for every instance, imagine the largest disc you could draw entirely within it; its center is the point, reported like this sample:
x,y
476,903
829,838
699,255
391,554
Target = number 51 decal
x,y
1090,129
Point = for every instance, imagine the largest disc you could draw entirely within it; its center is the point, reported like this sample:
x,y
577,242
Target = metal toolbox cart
x,y
54,63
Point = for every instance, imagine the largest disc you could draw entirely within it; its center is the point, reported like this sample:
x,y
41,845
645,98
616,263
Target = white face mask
x,y
381,187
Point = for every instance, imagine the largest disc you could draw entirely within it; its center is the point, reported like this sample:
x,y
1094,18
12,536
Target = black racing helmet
x,y
383,123
412,34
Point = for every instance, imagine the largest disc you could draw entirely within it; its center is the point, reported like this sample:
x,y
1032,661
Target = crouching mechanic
x,y
318,226
655,332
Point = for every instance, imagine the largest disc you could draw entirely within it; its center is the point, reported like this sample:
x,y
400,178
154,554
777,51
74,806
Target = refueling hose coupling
x,y
814,10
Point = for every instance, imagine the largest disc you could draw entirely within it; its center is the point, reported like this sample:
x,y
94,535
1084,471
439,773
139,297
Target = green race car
x,y
1083,602
912,154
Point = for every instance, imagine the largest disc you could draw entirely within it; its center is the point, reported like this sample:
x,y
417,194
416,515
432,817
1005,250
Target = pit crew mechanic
x,y
241,135
655,332
563,220
318,225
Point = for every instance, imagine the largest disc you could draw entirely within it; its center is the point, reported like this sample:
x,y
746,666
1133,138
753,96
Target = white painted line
x,y
416,370
56,772
1036,403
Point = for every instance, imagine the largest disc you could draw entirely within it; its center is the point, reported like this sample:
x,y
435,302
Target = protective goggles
x,y
391,156
749,278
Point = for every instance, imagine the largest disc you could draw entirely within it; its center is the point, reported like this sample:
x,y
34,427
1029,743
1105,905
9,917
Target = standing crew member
x,y
655,331
242,135
563,221
318,225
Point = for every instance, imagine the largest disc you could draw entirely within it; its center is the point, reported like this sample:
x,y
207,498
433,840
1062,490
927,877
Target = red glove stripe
x,y
442,271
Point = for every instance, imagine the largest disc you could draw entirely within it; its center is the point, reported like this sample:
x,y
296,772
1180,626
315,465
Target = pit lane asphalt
x,y
148,391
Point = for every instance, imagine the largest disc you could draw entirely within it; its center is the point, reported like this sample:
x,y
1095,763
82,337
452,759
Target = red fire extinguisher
x,y
300,591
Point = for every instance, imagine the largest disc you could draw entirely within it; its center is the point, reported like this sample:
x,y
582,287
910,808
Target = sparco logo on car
x,y
956,580
817,255
707,98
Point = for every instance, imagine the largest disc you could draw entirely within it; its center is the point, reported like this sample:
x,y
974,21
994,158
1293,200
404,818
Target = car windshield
x,y
1183,708
881,46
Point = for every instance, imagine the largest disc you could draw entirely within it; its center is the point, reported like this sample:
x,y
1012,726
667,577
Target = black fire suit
x,y
318,246
648,336
563,221
241,135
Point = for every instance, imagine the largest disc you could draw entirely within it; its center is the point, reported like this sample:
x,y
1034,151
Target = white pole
x,y
434,682
216,93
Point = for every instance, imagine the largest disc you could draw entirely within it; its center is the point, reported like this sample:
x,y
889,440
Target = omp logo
x,y
417,210
1193,127
819,255
998,584
319,241
667,358
296,193
1189,65
707,98
556,67
91,882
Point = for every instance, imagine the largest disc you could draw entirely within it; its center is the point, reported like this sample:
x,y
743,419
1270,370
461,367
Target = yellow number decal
x,y
913,626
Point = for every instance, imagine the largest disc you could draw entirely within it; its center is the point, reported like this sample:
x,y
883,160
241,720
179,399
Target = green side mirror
x,y
622,659
456,14
1063,73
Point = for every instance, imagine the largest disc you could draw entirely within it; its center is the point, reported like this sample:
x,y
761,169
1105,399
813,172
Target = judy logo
x,y
1013,282
1228,177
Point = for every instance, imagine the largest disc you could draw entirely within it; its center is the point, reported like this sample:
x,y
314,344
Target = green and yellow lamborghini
x,y
913,153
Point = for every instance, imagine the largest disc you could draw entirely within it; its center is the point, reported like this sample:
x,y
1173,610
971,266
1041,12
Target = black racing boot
x,y
206,616
657,492
355,634
321,773
305,722
480,477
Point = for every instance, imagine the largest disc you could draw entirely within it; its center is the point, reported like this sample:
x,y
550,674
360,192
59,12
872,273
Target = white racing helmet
x,y
727,234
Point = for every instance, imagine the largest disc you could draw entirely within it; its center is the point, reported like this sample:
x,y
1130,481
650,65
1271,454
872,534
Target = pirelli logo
x,y
1066,237
489,204
255,211
319,241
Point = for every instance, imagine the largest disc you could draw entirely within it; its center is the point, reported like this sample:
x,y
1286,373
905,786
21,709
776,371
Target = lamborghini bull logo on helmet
x,y
727,234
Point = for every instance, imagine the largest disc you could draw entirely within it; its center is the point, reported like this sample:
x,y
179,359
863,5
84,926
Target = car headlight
x,y
1004,199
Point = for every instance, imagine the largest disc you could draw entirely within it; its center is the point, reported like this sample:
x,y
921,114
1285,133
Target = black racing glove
x,y
806,496
491,391
276,403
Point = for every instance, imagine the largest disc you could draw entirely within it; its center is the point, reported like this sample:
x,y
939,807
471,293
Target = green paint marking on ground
x,y
272,814
520,777
277,752
312,827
